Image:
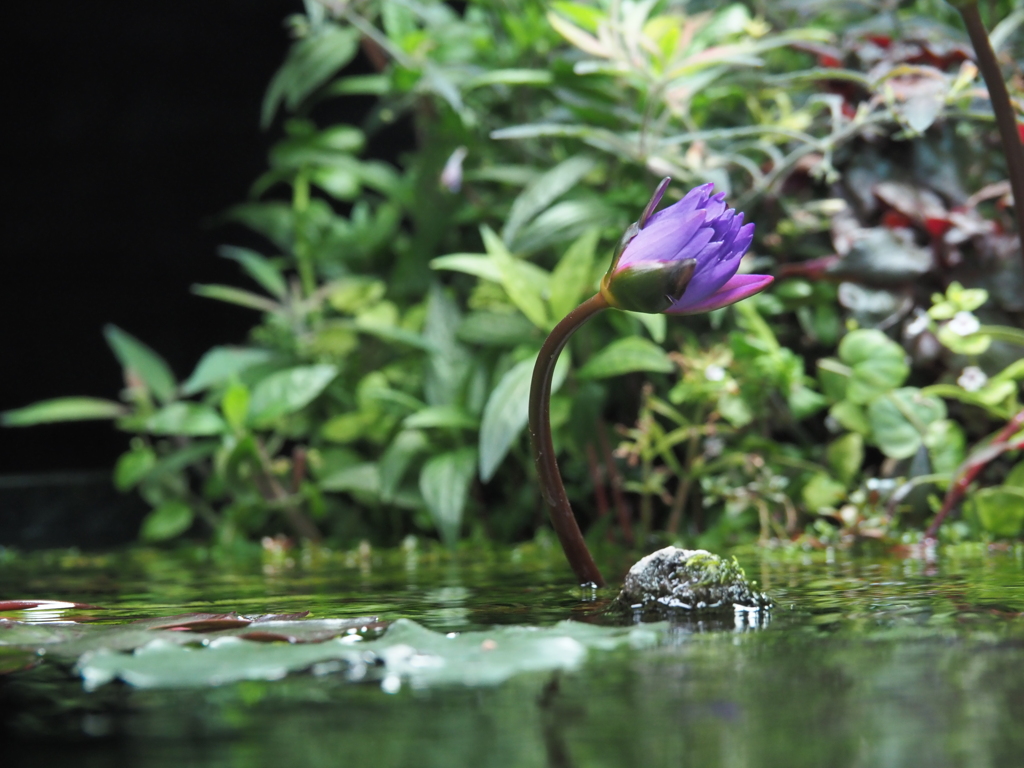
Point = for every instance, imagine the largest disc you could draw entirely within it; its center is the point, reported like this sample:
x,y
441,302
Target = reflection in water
x,y
861,663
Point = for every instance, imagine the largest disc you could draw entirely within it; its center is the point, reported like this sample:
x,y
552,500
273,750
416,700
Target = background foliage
x,y
401,304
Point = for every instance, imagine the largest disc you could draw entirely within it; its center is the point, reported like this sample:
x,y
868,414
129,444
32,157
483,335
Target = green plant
x,y
402,301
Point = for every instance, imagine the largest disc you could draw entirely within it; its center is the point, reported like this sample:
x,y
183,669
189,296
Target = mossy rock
x,y
674,579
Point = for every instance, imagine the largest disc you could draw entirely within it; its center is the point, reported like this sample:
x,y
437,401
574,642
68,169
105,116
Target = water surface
x,y
864,662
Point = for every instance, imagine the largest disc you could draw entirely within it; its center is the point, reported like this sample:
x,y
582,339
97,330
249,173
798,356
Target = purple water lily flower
x,y
683,260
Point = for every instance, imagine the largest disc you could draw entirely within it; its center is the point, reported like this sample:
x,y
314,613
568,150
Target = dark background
x,y
130,127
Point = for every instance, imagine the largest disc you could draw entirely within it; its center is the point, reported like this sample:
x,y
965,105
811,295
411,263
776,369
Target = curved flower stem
x,y
562,518
1001,105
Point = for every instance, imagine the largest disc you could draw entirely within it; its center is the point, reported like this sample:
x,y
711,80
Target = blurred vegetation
x,y
401,305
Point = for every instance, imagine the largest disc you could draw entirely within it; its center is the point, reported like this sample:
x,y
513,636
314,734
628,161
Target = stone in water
x,y
689,580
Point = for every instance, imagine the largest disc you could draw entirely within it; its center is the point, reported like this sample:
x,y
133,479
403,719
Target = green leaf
x,y
62,409
1015,477
235,405
440,416
192,419
632,353
946,444
845,456
734,409
537,77
406,446
571,278
823,493
507,411
900,420
258,267
878,364
526,284
288,391
309,64
444,483
1000,510
543,191
475,264
655,324
135,356
169,520
221,364
851,416
497,329
360,479
231,295
132,467
449,362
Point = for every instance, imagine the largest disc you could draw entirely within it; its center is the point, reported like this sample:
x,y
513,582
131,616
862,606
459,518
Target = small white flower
x,y
714,373
972,378
713,447
918,325
964,323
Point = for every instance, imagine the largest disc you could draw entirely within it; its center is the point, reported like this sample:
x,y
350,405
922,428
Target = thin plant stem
x,y
971,468
1001,106
562,518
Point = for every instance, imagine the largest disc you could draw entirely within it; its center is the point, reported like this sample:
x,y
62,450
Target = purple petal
x,y
662,238
736,289
691,201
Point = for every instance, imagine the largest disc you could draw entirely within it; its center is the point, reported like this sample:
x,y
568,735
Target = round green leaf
x,y
170,519
1000,510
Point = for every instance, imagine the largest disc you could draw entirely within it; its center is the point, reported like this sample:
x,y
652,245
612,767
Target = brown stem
x,y
300,523
1001,106
562,518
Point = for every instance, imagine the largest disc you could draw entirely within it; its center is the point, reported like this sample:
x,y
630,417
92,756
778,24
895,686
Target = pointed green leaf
x,y
543,191
309,64
571,278
444,483
231,295
183,418
632,353
288,391
62,409
507,410
221,364
258,267
403,449
143,361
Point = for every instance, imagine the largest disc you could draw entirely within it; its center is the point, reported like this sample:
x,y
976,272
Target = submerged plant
x,y
682,260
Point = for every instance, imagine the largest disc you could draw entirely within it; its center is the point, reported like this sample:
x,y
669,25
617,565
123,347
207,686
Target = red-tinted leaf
x,y
894,219
937,227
